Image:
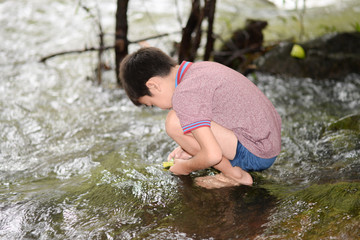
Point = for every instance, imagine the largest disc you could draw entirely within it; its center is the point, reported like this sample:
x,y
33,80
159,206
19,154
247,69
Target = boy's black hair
x,y
137,68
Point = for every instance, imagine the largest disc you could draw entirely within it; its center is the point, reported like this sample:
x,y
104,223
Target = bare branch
x,y
86,49
105,48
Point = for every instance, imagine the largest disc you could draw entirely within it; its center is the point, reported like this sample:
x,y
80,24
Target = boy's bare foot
x,y
218,181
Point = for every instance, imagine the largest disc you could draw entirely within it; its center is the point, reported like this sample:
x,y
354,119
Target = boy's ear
x,y
153,84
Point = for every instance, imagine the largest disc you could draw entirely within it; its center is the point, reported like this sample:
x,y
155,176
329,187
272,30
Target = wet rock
x,y
351,122
338,148
330,56
328,211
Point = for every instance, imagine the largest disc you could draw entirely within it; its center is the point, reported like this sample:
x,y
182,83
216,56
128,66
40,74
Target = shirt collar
x,y
181,72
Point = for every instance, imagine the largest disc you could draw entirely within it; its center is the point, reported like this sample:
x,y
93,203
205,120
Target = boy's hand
x,y
180,157
180,167
179,153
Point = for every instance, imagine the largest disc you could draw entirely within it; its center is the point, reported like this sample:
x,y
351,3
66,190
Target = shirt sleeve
x,y
193,108
192,126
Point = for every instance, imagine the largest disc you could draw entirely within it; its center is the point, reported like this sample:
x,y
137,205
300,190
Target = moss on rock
x,y
329,211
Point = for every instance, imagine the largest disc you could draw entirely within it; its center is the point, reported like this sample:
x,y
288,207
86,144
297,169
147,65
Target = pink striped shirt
x,y
208,91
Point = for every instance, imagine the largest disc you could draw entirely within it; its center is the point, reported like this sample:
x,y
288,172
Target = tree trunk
x,y
121,41
186,40
189,43
210,9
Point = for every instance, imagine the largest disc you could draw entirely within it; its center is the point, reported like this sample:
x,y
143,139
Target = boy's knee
x,y
172,124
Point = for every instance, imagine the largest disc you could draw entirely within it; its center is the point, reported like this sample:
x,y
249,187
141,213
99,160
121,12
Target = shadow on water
x,y
227,213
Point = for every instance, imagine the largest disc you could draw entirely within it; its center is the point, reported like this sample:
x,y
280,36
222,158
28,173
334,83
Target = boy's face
x,y
159,101
161,96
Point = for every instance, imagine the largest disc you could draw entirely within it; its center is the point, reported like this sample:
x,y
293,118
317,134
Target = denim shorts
x,y
248,161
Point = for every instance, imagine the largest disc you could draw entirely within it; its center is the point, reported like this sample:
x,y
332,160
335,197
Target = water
x,y
79,161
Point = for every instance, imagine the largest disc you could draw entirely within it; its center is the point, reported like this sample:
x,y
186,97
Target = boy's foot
x,y
216,181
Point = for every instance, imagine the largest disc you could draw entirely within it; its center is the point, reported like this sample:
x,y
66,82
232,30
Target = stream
x,y
80,161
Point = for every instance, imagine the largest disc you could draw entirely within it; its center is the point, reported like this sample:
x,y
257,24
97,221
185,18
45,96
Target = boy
x,y
217,116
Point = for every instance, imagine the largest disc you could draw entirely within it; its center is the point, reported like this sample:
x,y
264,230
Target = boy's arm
x,y
209,155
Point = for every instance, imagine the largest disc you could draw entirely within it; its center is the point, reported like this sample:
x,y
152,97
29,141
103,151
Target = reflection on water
x,y
79,161
229,213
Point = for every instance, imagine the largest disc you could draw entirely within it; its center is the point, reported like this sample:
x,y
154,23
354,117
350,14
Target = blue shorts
x,y
248,161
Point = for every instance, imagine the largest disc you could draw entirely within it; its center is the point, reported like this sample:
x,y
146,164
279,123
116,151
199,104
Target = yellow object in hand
x,y
297,51
168,164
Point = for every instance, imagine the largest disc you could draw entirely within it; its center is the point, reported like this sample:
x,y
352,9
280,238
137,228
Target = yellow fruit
x,y
297,51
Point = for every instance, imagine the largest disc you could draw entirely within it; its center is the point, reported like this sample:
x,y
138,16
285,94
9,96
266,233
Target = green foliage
x,y
328,29
357,26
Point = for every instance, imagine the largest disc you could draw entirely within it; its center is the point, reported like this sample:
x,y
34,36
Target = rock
x,y
327,211
337,149
351,122
330,56
237,51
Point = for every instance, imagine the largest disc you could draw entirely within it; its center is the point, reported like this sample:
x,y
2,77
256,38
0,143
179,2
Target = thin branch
x,y
105,48
86,49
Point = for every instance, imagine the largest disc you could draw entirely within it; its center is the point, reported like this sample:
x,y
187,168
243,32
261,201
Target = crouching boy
x,y
217,116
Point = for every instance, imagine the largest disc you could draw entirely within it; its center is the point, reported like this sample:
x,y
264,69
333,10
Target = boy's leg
x,y
228,144
226,138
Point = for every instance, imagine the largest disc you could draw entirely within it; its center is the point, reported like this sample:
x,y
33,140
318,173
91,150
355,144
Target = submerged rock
x,y
338,150
328,211
330,56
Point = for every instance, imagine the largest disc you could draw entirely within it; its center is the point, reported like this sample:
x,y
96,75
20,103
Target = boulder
x,y
330,56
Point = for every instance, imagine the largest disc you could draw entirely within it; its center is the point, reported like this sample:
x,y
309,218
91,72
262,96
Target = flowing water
x,y
79,161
